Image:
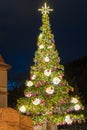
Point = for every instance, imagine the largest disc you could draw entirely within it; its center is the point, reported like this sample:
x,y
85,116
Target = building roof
x,y
1,59
3,64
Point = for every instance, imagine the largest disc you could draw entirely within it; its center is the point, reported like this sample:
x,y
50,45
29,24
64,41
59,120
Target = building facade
x,y
3,82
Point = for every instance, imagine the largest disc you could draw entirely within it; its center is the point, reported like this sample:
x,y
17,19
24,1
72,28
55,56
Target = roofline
x,y
5,65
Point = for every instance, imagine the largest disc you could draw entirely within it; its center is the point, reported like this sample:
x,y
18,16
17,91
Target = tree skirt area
x,y
10,119
46,127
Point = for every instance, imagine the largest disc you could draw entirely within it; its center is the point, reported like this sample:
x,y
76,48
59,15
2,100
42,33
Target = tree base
x,y
46,126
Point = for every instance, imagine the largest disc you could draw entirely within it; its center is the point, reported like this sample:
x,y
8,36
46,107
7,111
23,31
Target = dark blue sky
x,y
19,28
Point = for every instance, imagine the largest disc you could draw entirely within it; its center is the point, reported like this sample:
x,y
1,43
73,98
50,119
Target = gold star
x,y
45,9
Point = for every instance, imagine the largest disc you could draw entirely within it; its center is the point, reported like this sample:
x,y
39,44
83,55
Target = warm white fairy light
x,y
45,9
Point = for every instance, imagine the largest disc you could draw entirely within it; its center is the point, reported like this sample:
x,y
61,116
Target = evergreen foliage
x,y
48,96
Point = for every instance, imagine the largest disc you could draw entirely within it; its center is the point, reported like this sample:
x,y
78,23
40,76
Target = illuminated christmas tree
x,y
48,96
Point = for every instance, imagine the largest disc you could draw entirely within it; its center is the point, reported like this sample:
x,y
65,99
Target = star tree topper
x,y
45,9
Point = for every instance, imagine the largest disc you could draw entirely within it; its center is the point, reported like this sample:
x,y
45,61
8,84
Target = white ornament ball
x,y
50,90
46,59
68,120
41,46
77,107
33,77
28,94
47,73
40,36
36,101
74,100
22,109
29,83
49,47
56,81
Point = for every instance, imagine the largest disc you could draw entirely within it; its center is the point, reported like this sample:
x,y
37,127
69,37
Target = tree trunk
x,y
48,126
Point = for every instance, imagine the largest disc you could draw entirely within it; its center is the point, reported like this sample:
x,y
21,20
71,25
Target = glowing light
x,y
45,9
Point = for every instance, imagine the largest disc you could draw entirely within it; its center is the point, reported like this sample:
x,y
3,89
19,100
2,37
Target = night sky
x,y
19,29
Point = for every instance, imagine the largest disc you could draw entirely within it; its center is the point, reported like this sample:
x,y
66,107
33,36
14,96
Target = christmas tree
x,y
48,96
